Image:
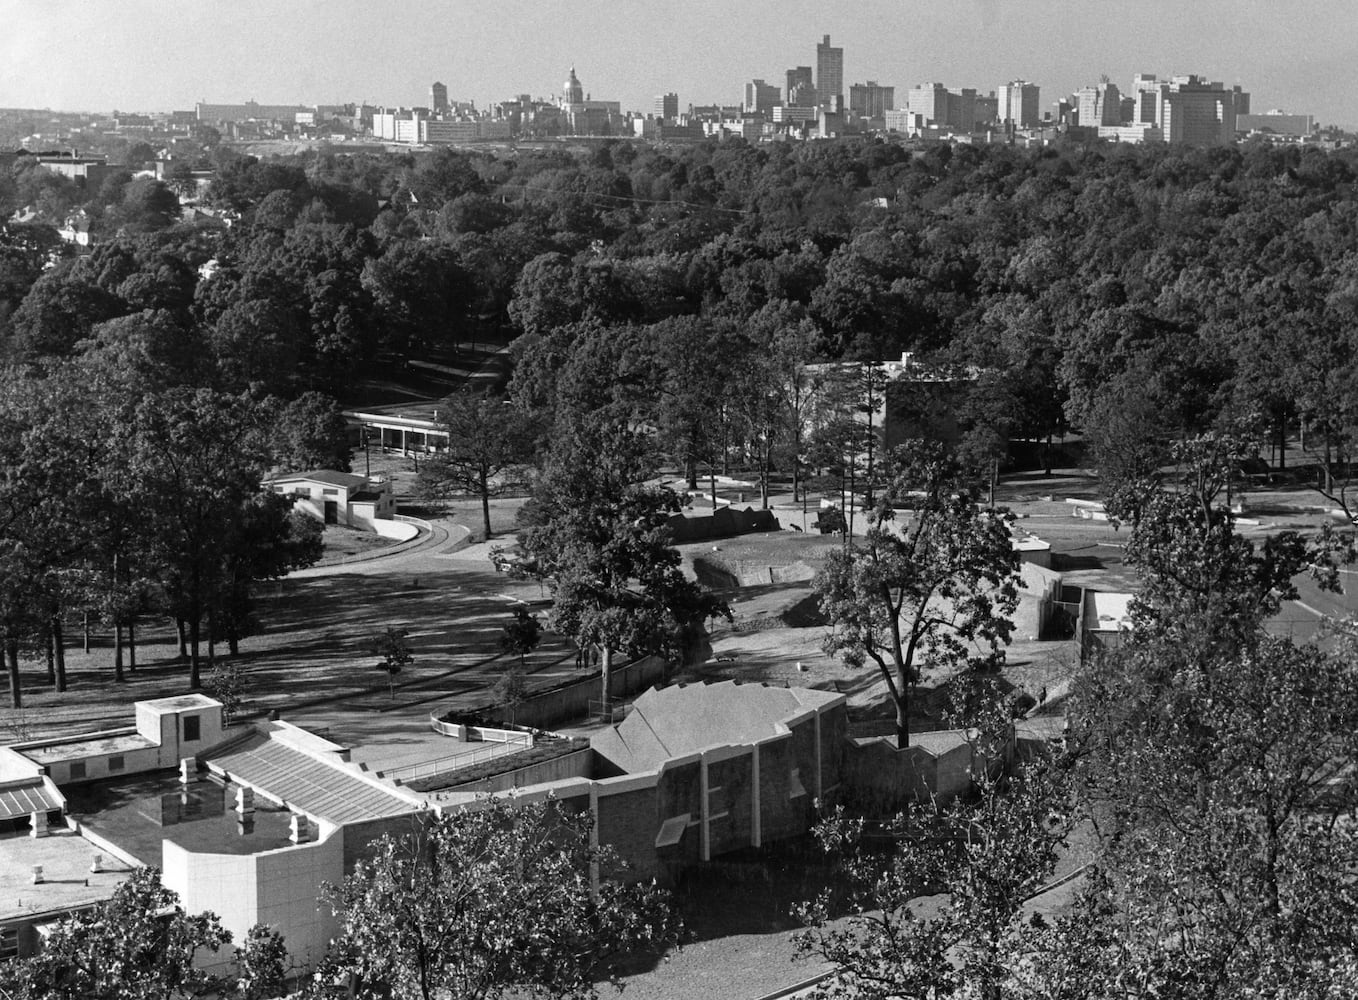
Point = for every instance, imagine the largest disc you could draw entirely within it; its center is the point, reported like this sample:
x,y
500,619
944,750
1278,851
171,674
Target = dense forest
x,y
1140,295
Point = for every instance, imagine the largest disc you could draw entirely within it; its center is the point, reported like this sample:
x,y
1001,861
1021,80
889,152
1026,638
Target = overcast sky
x,y
1300,55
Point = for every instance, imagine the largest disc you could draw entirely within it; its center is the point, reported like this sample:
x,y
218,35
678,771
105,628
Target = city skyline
x,y
126,54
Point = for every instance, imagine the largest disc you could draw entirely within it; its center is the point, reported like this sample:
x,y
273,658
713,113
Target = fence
x,y
613,714
452,762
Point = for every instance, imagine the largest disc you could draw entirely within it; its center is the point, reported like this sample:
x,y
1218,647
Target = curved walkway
x,y
434,536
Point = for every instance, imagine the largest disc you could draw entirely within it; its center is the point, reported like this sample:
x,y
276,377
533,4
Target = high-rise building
x,y
935,105
761,97
667,107
1101,105
829,75
801,88
1194,111
438,98
1018,104
869,100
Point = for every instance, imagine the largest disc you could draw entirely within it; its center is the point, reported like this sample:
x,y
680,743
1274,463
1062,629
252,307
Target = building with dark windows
x,y
829,75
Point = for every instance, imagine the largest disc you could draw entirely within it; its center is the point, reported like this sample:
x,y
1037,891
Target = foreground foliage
x,y
495,900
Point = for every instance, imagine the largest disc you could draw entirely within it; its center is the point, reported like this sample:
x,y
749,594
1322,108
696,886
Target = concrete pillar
x,y
245,801
188,770
704,834
756,824
820,787
38,824
298,829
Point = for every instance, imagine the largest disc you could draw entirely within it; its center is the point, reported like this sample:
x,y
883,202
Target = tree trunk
x,y
85,622
485,501
211,639
132,645
1047,456
51,660
195,667
118,652
16,695
606,664
764,450
183,639
59,644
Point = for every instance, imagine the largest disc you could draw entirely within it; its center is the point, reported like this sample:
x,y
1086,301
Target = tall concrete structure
x,y
1196,112
829,75
870,100
1018,104
666,107
934,104
438,98
761,97
1101,105
801,88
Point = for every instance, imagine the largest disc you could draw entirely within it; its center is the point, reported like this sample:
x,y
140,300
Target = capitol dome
x,y
572,90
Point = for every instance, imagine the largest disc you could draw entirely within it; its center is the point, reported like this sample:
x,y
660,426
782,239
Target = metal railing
x,y
613,714
451,762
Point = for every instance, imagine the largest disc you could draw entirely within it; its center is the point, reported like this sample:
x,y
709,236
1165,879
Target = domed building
x,y
582,116
572,91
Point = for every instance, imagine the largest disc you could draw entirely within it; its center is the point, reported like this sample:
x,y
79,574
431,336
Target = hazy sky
x,y
1301,55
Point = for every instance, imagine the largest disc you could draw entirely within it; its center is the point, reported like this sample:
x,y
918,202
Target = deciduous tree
x,y
925,588
492,901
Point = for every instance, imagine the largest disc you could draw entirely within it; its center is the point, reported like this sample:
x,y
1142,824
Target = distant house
x,y
76,228
338,497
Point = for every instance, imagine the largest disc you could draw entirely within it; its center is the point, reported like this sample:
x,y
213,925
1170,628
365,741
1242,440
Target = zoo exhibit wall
x,y
699,805
938,766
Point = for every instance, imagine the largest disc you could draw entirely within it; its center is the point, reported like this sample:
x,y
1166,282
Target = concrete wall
x,y
882,779
278,888
572,765
571,700
724,522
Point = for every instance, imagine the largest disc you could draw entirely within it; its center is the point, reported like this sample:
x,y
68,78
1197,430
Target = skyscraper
x,y
1018,104
829,75
438,98
761,97
1101,105
870,100
667,107
801,87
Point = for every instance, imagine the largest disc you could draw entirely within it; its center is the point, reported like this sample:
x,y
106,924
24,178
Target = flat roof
x,y
137,814
179,703
326,477
67,884
80,747
307,783
1111,612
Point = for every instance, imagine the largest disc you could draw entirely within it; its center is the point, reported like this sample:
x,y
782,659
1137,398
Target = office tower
x,y
438,98
1101,105
935,104
667,107
1241,99
1018,104
869,100
1197,112
801,88
761,97
1146,100
829,75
